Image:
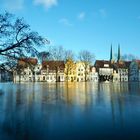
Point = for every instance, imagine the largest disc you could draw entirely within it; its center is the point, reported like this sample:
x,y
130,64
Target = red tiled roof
x,y
52,65
27,61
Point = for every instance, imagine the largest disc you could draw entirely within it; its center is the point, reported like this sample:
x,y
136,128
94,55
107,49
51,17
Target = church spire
x,y
119,53
111,55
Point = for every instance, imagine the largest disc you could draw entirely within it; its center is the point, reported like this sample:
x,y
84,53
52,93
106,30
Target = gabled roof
x,y
115,66
24,62
52,65
101,64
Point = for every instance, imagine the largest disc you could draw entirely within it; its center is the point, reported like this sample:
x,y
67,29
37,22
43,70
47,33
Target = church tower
x,y
111,55
119,54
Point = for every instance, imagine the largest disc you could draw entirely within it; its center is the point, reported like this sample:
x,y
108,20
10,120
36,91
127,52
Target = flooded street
x,y
69,111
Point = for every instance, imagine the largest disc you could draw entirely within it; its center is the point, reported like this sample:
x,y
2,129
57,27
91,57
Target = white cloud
x,y
103,13
65,22
12,5
81,16
46,3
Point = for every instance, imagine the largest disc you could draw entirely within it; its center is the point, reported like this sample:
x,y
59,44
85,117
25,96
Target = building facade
x,y
134,71
70,71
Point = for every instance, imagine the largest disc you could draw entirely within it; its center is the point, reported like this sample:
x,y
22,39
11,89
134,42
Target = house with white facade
x,y
104,69
49,71
27,70
122,70
53,71
93,74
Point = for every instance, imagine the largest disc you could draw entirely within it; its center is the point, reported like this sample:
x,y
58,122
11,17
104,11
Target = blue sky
x,y
83,24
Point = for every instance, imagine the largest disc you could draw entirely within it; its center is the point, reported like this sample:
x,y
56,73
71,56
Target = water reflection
x,y
69,111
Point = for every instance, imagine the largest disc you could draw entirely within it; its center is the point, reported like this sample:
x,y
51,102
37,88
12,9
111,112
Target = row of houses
x,y
119,70
52,71
29,70
103,70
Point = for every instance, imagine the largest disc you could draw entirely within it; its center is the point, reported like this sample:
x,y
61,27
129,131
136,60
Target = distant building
x,y
26,70
53,71
70,71
49,71
5,75
122,70
111,70
134,71
82,74
93,74
104,69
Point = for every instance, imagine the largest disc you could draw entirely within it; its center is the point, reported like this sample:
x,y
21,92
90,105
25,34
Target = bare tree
x,y
56,53
87,58
59,53
69,54
16,38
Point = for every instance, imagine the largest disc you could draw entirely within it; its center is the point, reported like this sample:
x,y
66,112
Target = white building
x,y
48,71
93,74
53,71
104,69
123,70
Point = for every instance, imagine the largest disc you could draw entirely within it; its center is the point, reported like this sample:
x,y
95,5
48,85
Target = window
x,y
43,78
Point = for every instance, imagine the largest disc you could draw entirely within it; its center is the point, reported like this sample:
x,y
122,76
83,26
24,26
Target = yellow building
x,y
70,70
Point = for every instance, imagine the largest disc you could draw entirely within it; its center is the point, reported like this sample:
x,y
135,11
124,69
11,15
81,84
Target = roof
x,y
138,62
123,64
52,65
27,61
115,66
101,64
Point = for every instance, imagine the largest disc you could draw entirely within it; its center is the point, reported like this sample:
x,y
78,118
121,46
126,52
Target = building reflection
x,y
29,109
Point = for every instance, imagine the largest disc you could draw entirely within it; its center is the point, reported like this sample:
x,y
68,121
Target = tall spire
x,y
111,55
119,53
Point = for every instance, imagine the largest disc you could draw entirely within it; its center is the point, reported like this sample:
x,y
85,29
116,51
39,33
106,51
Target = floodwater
x,y
74,111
